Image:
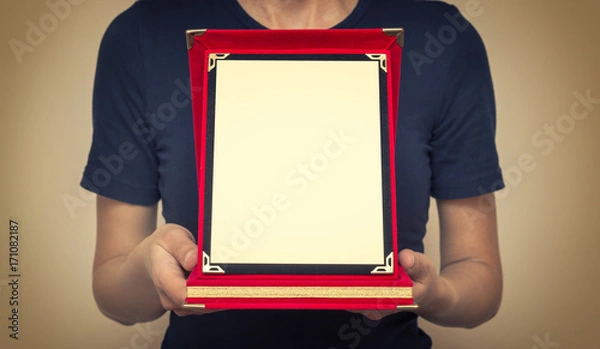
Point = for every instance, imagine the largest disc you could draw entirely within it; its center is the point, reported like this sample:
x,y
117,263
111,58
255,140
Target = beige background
x,y
541,53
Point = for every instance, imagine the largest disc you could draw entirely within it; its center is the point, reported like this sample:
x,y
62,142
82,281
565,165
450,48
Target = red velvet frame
x,y
342,41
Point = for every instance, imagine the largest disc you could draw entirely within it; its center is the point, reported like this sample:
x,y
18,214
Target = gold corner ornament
x,y
388,268
398,33
207,268
381,57
190,34
213,58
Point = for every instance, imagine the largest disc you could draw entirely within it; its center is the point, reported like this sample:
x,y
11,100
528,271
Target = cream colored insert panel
x,y
297,171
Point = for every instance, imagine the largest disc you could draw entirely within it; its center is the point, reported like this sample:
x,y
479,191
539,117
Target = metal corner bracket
x,y
411,307
209,268
388,268
190,34
186,305
398,33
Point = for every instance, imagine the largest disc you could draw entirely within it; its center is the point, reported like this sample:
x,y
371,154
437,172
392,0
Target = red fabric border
x,y
339,41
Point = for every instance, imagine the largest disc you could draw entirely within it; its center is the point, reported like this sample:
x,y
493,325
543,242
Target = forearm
x,y
466,294
123,290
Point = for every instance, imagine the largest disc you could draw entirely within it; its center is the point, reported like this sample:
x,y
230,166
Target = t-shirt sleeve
x,y
122,163
464,159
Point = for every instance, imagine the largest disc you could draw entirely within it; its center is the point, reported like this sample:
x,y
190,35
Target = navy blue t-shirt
x,y
143,146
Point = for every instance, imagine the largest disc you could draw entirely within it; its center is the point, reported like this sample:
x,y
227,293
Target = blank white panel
x,y
297,163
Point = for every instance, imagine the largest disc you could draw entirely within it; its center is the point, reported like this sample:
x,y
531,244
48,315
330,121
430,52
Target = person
x,y
143,152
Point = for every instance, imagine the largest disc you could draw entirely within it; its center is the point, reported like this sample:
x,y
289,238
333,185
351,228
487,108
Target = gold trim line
x,y
190,34
398,33
298,292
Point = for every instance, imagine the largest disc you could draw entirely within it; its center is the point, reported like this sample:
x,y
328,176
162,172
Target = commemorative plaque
x,y
294,136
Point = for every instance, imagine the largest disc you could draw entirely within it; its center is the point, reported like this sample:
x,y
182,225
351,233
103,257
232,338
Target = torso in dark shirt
x,y
445,146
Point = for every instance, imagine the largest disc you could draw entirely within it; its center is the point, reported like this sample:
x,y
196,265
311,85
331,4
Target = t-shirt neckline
x,y
348,22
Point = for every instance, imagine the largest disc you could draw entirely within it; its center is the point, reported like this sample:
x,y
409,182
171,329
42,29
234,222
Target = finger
x,y
407,259
376,315
417,266
169,280
180,243
194,311
171,287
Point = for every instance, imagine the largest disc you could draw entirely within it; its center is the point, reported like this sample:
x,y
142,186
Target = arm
x,y
468,290
137,270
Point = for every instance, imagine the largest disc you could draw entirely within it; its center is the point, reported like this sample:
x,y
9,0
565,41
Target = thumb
x,y
416,265
180,243
190,259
